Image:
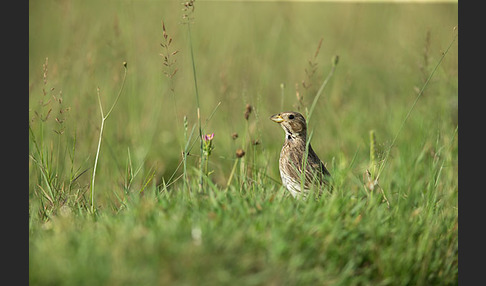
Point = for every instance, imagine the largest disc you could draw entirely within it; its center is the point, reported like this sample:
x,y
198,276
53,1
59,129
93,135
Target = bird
x,y
291,161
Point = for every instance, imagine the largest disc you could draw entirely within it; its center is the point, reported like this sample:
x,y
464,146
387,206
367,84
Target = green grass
x,y
151,226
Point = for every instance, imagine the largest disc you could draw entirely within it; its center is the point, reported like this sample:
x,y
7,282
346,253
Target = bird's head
x,y
293,123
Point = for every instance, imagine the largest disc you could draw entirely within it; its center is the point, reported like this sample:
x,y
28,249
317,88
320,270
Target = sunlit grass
x,y
156,222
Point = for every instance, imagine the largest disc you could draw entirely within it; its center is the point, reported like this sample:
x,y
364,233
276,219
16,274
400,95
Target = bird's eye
x,y
291,116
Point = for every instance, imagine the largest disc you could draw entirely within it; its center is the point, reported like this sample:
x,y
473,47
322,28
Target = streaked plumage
x,y
292,156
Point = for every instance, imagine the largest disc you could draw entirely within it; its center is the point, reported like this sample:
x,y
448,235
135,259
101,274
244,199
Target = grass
x,y
153,221
103,119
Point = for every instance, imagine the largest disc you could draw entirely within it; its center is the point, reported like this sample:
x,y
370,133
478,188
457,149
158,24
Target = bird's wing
x,y
315,168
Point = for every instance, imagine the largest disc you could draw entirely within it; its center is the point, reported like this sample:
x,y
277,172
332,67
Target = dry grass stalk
x,y
310,71
167,55
308,81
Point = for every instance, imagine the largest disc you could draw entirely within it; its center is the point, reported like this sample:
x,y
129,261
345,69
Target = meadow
x,y
124,190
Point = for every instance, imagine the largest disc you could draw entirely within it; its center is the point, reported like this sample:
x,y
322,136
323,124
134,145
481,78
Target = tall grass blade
x,y
387,155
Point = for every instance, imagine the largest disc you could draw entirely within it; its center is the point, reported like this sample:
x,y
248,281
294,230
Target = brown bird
x,y
291,160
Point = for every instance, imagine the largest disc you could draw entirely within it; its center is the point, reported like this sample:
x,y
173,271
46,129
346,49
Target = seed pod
x,y
335,60
247,111
240,153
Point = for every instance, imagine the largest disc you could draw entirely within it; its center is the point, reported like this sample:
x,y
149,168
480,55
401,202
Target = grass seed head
x,y
240,153
248,111
335,60
188,11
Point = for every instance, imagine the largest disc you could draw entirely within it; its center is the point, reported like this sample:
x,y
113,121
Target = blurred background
x,y
257,53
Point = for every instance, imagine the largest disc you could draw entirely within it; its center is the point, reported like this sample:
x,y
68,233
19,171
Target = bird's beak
x,y
276,118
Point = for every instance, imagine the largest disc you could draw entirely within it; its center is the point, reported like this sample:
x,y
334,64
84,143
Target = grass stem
x,y
103,119
321,88
197,104
385,160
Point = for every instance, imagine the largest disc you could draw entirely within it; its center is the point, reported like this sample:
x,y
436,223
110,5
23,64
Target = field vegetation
x,y
152,159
